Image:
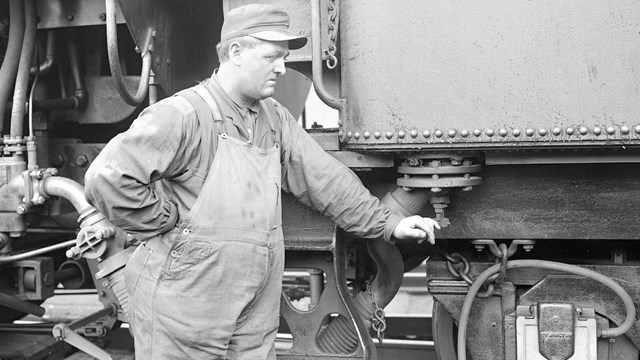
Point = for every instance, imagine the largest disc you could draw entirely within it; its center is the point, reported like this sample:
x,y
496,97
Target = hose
x,y
548,265
22,78
340,336
12,55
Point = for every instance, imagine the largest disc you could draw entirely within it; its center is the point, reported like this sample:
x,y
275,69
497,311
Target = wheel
x,y
444,333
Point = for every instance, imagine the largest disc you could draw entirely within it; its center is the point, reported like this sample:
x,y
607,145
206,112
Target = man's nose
x,y
280,69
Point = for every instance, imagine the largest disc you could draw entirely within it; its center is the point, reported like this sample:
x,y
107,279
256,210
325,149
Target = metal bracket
x,y
527,245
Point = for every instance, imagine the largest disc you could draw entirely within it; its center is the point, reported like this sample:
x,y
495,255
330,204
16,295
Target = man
x,y
197,179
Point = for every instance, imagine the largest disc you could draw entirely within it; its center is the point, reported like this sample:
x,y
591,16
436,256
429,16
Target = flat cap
x,y
262,21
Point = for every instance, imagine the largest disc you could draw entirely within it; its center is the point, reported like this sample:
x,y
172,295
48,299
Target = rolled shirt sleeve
x,y
322,182
120,181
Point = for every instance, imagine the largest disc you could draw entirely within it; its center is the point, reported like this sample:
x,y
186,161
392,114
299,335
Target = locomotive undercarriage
x,y
500,205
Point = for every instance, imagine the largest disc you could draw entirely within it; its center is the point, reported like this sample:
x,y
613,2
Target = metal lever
x,y
65,333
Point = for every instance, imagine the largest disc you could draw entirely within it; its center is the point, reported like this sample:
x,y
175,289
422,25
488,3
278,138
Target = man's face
x,y
260,66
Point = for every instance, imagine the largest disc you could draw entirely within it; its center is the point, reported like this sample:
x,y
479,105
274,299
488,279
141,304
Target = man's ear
x,y
235,50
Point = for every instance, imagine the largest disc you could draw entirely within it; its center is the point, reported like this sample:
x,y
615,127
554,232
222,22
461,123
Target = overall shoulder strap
x,y
209,127
270,104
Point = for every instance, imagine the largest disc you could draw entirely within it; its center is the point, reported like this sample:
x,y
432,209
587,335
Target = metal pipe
x,y
114,60
22,78
68,189
316,59
49,60
74,64
549,265
28,254
12,55
21,305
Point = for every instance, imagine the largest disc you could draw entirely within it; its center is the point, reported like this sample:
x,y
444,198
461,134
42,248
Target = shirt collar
x,y
255,107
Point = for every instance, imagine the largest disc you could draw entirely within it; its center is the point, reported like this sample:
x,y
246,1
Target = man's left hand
x,y
418,228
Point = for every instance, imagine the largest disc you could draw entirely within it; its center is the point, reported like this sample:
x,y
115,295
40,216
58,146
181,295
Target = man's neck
x,y
230,85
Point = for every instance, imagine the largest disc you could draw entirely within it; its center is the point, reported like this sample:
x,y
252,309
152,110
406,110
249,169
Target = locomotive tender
x,y
516,124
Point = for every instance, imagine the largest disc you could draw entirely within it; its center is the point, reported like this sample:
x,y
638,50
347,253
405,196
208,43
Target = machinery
x,y
515,124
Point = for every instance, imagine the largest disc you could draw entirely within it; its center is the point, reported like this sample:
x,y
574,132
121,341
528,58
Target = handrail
x,y
316,59
114,60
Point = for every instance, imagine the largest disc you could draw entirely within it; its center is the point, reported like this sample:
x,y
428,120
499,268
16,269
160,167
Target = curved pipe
x,y
316,59
114,60
339,336
12,56
49,60
22,79
549,265
68,189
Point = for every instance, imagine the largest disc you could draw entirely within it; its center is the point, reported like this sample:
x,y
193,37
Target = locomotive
x,y
515,124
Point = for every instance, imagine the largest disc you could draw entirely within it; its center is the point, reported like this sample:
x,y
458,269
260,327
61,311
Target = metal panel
x,y
490,73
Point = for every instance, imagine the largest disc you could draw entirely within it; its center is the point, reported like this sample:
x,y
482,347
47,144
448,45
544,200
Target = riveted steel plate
x,y
490,74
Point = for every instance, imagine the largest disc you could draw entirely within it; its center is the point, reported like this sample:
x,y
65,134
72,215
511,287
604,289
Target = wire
x,y
549,265
33,88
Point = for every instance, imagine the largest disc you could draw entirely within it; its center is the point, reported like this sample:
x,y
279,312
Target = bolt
x,y
388,135
529,132
377,134
570,131
105,283
455,162
556,131
435,177
426,133
479,247
356,135
477,132
502,132
81,160
366,134
436,190
22,209
40,200
401,134
583,130
438,133
611,130
527,248
467,163
516,132
468,188
414,133
102,17
434,163
58,160
70,17
451,133
490,132
624,129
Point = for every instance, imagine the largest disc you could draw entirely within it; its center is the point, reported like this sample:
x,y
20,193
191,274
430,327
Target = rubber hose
x,y
12,55
22,79
549,265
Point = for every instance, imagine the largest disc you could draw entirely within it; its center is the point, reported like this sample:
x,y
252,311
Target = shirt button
x,y
186,231
174,253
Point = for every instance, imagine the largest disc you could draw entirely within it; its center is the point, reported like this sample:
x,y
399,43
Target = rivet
x,y
438,133
637,129
516,132
597,130
624,129
583,130
340,133
340,122
542,132
377,134
611,130
489,132
401,134
570,131
477,132
349,134
556,131
366,134
426,133
464,133
388,135
529,132
413,133
70,17
356,135
452,133
502,132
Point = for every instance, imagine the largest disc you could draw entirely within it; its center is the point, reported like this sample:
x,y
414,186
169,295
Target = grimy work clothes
x,y
203,197
208,288
149,176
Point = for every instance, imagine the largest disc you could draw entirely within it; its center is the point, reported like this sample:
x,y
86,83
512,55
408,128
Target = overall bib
x,y
211,287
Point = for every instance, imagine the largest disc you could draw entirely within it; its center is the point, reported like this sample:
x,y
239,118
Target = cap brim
x,y
296,41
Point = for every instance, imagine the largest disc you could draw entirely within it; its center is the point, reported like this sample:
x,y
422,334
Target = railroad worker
x,y
197,179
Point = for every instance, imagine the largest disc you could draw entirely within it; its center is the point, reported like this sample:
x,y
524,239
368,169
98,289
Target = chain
x,y
462,272
334,14
378,322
